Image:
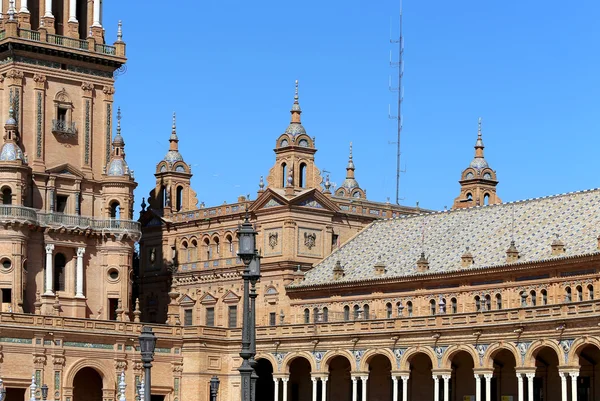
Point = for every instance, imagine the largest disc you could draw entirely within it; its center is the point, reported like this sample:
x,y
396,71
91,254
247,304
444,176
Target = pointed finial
x,y
296,93
261,183
350,150
143,204
120,32
11,10
119,120
479,127
174,122
327,183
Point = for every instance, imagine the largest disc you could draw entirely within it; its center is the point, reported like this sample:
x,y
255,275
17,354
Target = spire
x,y
173,139
120,31
296,110
479,144
118,141
173,154
350,167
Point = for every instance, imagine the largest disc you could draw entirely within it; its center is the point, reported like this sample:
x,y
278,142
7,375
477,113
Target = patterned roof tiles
x,y
487,231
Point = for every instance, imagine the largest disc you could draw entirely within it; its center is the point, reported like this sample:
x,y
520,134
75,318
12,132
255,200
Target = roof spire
x,y
479,144
120,31
350,167
119,120
173,139
296,111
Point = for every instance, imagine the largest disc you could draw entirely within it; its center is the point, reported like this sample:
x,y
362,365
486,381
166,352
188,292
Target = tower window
x,y
544,297
568,294
356,311
306,316
6,295
477,304
179,202
453,305
409,307
533,298
366,311
283,174
187,317
81,13
579,293
325,314
498,301
115,210
388,310
302,175
469,197
346,313
6,196
590,289
432,306
486,199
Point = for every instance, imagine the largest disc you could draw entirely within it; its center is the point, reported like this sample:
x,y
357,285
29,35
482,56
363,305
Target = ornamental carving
x,y
39,361
177,367
310,240
108,91
15,77
40,81
273,240
120,365
87,88
58,361
138,366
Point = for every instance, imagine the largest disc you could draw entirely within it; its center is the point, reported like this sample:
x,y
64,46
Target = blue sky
x,y
528,68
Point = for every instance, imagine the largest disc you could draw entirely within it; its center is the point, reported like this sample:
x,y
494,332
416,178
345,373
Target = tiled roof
x,y
486,230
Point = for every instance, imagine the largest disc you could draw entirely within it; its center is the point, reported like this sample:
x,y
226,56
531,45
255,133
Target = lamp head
x,y
214,384
247,237
147,344
44,391
254,267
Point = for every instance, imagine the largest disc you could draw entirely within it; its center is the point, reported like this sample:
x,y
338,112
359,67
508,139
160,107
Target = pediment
x,y
149,218
231,296
271,291
268,199
186,300
314,199
65,169
208,299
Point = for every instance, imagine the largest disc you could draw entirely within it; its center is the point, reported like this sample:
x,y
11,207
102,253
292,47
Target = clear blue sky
x,y
528,68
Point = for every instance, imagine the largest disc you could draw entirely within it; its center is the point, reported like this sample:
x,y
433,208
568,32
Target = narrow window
x,y
61,114
187,317
6,196
477,304
306,316
579,293
115,210
523,296
207,248
284,175
366,311
454,305
334,241
488,302
568,294
498,301
210,316
409,308
217,246
346,313
59,272
486,199
229,244
544,297
469,197
179,199
590,289
356,311
81,14
6,296
432,306
533,298
232,317
272,319
302,175
388,310
316,315
163,196
325,315
61,203
113,304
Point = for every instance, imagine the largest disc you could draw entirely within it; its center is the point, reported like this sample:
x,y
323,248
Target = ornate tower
x,y
66,234
294,168
173,192
478,182
350,187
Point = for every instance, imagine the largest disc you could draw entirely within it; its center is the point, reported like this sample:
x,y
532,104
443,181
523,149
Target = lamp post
x,y
2,391
214,388
44,392
247,254
147,344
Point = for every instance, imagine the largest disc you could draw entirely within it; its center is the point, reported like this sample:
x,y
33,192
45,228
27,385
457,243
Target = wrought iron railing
x,y
64,128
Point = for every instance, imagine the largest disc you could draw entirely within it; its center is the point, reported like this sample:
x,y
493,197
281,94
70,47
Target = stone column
x,y
24,7
488,386
96,13
354,395
285,382
79,272
520,386
323,388
530,377
49,272
314,388
404,387
563,386
394,388
276,381
574,376
73,11
446,387
477,387
364,387
49,9
436,388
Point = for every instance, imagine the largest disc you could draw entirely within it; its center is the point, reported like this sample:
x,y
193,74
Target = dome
x,y
350,183
117,168
173,156
11,152
479,163
295,129
118,141
11,121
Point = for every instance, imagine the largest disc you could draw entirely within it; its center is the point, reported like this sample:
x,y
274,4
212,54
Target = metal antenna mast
x,y
398,117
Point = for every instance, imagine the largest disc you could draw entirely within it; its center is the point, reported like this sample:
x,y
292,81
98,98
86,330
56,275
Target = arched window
x,y
488,302
179,198
60,263
568,294
356,311
486,199
207,249
315,315
469,196
115,210
432,306
409,308
194,250
533,298
388,310
366,311
498,301
217,246
6,196
302,176
306,316
579,293
523,296
163,196
229,244
477,304
346,313
325,314
590,291
284,174
453,305
544,297
184,251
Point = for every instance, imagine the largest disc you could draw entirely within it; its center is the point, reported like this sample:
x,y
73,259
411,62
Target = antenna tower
x,y
400,90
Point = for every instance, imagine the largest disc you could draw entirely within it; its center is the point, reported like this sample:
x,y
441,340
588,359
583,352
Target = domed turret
x,y
350,187
173,154
10,149
118,166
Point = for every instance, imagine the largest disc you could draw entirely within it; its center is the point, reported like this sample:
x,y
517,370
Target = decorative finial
x,y
119,120
174,122
479,127
350,150
41,22
296,93
261,183
120,32
327,183
11,10
90,33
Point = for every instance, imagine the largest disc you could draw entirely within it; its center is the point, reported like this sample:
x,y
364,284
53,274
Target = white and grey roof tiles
x,y
486,230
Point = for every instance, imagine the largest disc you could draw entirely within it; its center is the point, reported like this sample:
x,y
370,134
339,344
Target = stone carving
x,y
273,240
398,353
87,88
565,345
108,91
481,350
358,354
62,96
523,347
58,361
310,240
120,365
40,81
15,77
318,357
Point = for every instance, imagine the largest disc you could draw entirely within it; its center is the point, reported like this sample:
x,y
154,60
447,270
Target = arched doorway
x,y
265,387
462,383
546,383
379,385
87,385
6,196
420,383
339,386
588,382
300,386
504,382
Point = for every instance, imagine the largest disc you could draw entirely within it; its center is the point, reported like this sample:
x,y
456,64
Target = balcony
x,y
14,213
64,129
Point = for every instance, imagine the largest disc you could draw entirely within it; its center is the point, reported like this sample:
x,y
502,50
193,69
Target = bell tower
x,y
478,181
294,168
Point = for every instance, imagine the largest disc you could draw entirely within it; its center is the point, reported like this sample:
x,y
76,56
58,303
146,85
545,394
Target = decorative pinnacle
x,y
479,128
296,93
174,122
350,150
11,10
261,184
120,32
119,120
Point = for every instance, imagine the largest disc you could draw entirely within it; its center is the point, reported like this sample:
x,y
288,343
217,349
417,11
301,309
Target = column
x,y
354,396
323,388
285,382
49,273
394,388
364,387
530,377
488,386
96,13
477,387
49,9
72,11
79,272
520,386
276,381
314,393
24,7
574,376
404,387
446,387
563,386
436,388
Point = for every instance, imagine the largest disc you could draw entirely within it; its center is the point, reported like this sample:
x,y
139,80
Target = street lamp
x,y
45,392
247,253
147,344
214,388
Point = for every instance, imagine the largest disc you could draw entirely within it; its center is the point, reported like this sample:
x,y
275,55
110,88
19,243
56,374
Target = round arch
x,y
271,359
536,346
108,381
411,352
453,350
577,347
369,355
329,355
300,354
494,349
